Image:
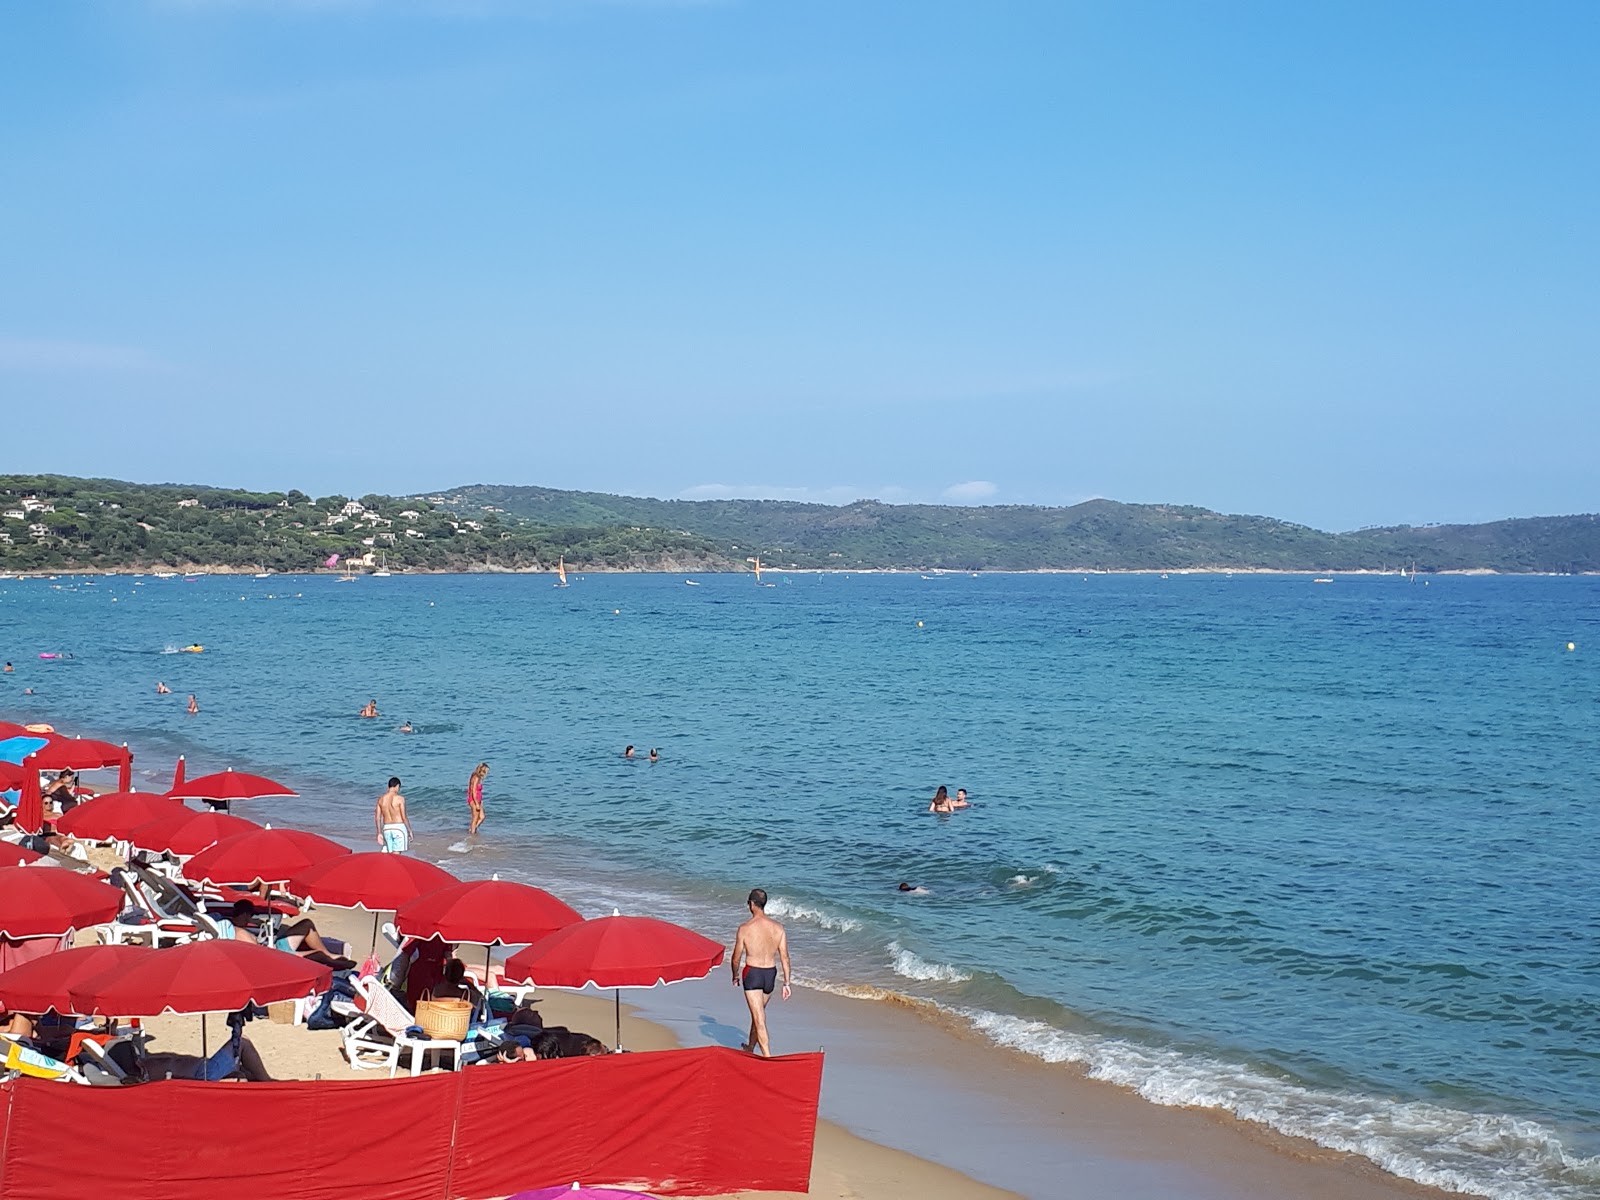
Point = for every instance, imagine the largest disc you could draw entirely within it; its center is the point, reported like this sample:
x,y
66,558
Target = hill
x,y
1094,535
58,522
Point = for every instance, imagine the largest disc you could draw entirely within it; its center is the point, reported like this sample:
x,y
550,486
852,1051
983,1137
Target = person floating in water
x,y
762,945
627,752
655,755
371,710
475,796
394,827
406,728
9,668
162,689
913,889
961,799
194,705
941,802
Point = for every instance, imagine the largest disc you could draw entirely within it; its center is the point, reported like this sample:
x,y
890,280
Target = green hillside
x,y
1095,535
57,522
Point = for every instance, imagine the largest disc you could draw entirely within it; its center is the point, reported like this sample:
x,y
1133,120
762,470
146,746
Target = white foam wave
x,y
912,966
778,906
1502,1157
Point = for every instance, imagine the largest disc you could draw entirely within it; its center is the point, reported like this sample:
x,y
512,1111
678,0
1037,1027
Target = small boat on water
x,y
561,572
383,571
1322,581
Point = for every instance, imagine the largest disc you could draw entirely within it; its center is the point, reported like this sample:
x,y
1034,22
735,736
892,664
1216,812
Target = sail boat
x,y
383,567
561,571
757,561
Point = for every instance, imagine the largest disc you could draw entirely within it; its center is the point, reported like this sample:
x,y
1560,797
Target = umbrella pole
x,y
204,1056
375,917
617,993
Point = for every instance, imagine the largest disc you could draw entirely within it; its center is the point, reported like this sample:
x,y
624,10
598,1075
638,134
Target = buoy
x,y
1572,645
919,624
616,612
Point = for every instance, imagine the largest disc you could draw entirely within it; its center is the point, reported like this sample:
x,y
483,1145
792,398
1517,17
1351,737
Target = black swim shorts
x,y
760,979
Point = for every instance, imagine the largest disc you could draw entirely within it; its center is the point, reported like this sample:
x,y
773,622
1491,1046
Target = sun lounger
x,y
378,1036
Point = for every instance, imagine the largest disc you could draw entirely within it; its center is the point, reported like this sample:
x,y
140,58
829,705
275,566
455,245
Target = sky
x,y
1335,263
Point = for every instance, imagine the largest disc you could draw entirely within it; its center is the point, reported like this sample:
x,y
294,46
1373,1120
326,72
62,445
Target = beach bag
x,y
444,1019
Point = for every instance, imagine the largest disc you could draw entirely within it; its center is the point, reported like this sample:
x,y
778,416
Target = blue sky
x,y
1333,262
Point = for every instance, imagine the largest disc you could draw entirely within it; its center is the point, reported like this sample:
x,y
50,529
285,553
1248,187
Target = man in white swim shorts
x,y
394,827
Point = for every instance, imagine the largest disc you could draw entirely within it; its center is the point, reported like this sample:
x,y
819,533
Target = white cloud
x,y
43,354
974,491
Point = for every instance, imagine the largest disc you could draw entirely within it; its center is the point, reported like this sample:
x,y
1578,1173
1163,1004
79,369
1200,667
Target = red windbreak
x,y
677,1122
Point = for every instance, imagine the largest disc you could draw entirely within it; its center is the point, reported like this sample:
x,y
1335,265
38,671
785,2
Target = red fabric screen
x,y
679,1122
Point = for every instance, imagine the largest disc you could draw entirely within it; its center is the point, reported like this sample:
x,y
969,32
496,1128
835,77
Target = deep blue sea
x,y
1323,855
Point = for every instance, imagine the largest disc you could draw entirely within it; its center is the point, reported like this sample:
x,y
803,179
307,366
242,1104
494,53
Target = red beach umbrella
x,y
224,786
13,855
199,977
30,805
116,814
83,754
186,831
487,911
45,983
374,881
10,776
10,729
262,856
49,903
178,774
616,952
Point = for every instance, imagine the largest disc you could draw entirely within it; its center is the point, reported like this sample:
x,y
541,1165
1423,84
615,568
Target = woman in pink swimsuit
x,y
475,796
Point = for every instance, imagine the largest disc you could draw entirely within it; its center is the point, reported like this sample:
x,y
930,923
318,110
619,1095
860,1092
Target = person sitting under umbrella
x,y
300,938
455,985
237,1056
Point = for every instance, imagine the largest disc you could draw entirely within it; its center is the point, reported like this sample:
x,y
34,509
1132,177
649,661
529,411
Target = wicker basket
x,y
282,1012
444,1018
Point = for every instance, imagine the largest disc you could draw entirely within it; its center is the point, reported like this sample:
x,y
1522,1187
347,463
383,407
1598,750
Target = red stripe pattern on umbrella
x,y
117,814
46,983
485,911
262,856
616,952
39,903
200,977
373,881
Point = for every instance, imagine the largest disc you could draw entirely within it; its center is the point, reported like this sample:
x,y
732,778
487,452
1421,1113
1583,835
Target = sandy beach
x,y
894,1130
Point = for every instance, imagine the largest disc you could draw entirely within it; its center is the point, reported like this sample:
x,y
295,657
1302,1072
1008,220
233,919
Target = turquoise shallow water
x,y
1321,855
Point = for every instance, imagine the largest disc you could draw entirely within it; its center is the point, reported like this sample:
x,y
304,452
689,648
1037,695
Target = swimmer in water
x,y
913,890
371,710
162,689
627,752
655,755
941,801
9,668
194,705
406,728
961,799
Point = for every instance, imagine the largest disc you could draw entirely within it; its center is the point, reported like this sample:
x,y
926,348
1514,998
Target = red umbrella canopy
x,y
10,776
262,856
45,983
10,729
374,881
616,952
186,831
230,785
29,816
117,814
37,903
77,754
13,855
485,911
199,977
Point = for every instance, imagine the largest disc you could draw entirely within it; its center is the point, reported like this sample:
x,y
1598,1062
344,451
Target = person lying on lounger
x,y
147,1068
300,938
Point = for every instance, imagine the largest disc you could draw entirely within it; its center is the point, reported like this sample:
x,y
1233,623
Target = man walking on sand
x,y
761,945
394,827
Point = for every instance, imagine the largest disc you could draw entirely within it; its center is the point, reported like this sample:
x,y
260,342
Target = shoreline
x,y
924,572
900,1070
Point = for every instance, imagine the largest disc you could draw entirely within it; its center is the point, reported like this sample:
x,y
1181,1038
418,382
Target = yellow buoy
x,y
1572,645
616,612
919,624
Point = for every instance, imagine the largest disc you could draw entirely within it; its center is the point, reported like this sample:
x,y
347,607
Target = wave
x,y
907,963
779,906
1491,1154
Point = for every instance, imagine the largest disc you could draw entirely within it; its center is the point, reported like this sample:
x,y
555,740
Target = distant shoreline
x,y
247,573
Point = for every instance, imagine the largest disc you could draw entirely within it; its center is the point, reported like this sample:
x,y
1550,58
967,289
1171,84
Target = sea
x,y
1322,855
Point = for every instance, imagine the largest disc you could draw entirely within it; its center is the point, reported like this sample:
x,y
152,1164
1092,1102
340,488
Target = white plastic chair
x,y
378,1037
